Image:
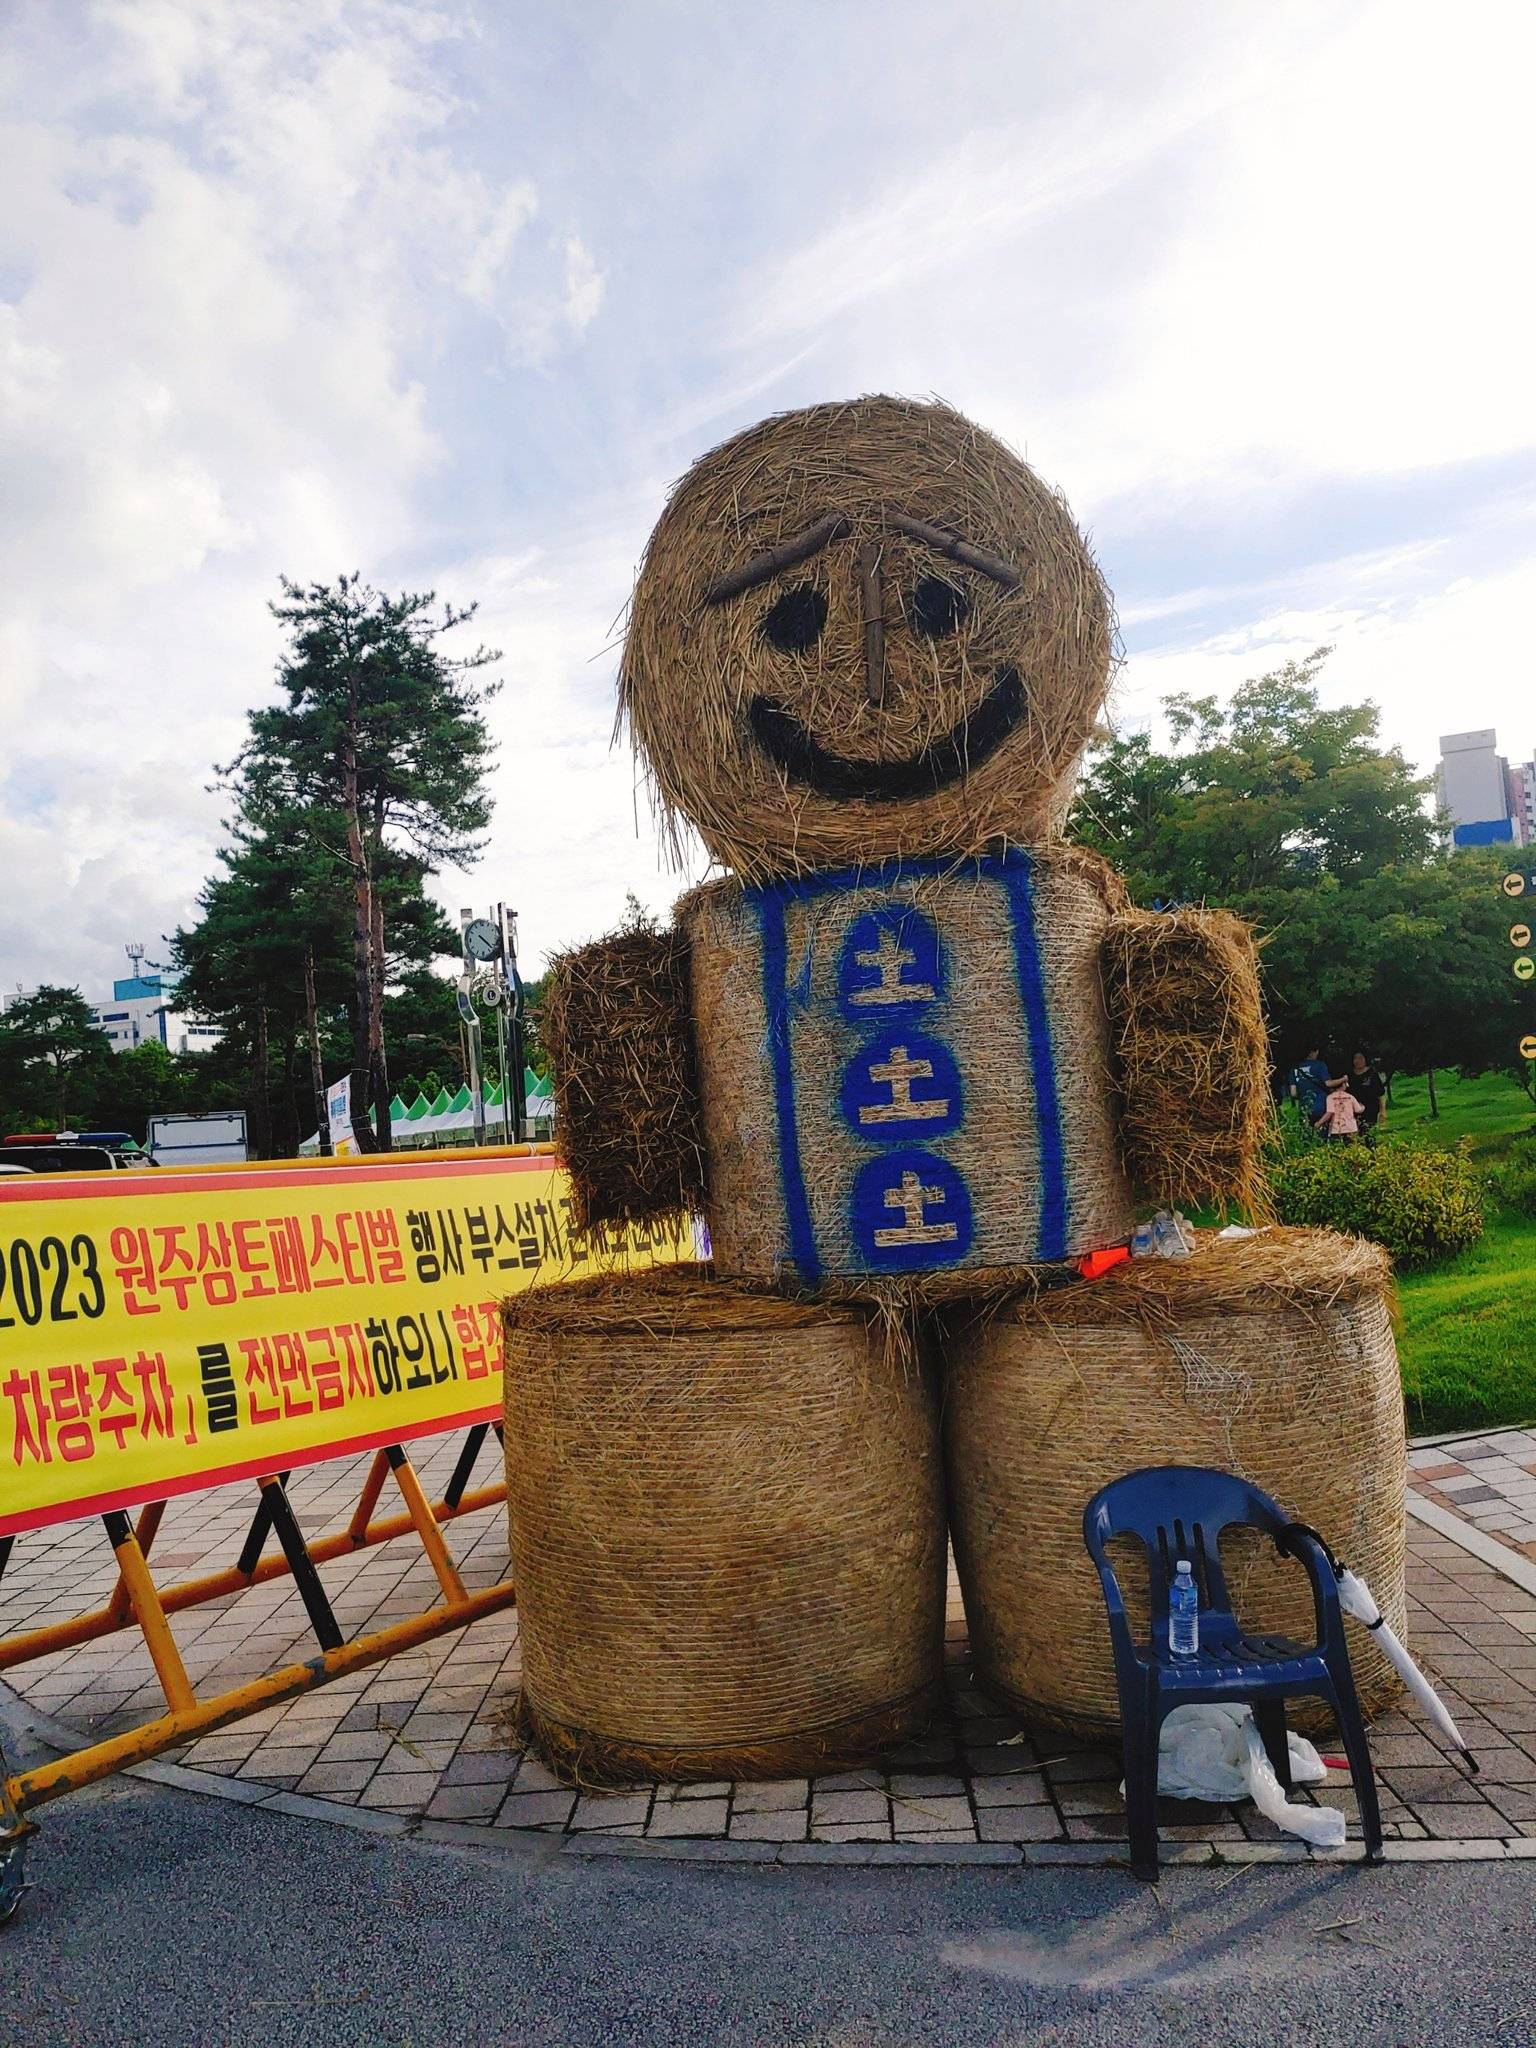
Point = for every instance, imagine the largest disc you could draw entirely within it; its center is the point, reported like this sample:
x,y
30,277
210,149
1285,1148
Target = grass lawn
x,y
1489,1110
1468,1332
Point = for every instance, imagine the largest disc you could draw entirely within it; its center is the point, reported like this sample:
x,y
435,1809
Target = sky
x,y
451,294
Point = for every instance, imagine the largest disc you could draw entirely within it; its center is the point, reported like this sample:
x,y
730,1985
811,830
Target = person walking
x,y
1368,1086
1341,1115
1309,1087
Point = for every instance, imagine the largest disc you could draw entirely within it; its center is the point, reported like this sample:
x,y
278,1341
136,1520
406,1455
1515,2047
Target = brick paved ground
x,y
1489,1480
424,1733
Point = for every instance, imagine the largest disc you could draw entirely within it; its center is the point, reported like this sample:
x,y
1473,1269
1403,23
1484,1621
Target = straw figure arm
x,y
1187,1031
617,1024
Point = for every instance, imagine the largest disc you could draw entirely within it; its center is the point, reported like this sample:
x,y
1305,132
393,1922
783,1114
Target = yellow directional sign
x,y
1519,935
1525,967
1528,1046
1514,885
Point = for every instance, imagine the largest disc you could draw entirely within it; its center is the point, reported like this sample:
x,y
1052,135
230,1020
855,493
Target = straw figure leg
x,y
1271,1357
727,1530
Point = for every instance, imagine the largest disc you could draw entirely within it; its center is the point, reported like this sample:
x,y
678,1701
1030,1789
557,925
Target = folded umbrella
x,y
1356,1598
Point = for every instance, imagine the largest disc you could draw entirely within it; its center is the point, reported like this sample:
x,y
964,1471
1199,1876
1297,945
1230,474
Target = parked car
x,y
72,1152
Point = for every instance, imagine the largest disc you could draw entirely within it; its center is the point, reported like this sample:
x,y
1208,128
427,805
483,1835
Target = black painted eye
x,y
937,607
794,621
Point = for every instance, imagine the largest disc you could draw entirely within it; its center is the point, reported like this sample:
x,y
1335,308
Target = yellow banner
x,y
163,1332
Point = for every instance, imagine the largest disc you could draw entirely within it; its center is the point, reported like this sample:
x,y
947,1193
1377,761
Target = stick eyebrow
x,y
836,526
798,548
958,550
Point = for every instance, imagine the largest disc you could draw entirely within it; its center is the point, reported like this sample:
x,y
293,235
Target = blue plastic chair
x,y
1180,1511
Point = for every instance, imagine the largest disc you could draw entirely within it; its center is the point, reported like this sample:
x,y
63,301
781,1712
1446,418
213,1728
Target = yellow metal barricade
x,y
138,1601
162,1334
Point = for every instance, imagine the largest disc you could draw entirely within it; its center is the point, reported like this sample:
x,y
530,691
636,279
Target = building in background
x,y
1488,802
142,1009
1526,812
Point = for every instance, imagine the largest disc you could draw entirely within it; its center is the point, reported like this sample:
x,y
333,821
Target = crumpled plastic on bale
x,y
1216,1753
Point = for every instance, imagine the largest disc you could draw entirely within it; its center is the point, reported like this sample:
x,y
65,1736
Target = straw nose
x,y
871,609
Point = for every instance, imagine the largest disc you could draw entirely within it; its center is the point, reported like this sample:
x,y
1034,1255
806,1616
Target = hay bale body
x,y
1272,1358
864,630
727,1531
911,1026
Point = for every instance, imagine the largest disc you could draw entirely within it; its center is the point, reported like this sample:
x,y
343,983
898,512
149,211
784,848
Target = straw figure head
x,y
860,631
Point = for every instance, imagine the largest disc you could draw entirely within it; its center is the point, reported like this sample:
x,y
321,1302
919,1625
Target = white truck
x,y
213,1140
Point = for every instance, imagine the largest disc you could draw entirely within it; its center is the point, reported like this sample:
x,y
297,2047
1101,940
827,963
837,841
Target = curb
x,y
597,1848
1488,1550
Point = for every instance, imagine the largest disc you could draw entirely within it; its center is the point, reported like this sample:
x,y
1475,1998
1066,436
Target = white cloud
x,y
1436,659
572,833
584,284
1280,245
234,237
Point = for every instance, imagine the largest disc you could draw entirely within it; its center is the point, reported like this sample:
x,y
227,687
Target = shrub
x,y
1514,1178
1421,1204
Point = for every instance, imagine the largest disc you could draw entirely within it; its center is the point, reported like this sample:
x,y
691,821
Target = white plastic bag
x,y
1217,1753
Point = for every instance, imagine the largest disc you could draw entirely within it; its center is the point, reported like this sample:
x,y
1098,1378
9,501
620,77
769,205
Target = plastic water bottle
x,y
1184,1613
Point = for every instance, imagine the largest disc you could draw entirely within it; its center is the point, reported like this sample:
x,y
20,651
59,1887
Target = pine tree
x,y
268,959
385,735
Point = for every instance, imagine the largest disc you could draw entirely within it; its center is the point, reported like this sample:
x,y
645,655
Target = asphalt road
x,y
162,1917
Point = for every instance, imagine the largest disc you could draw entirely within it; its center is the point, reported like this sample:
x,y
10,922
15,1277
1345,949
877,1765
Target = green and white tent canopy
x,y
444,1117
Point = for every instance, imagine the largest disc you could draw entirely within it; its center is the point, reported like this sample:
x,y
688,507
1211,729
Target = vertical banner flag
x,y
338,1110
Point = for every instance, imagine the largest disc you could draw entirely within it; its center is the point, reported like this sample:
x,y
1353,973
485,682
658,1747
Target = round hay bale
x,y
1271,1357
863,630
727,1530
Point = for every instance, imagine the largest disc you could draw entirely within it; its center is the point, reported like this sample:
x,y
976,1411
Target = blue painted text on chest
x,y
908,1208
870,1019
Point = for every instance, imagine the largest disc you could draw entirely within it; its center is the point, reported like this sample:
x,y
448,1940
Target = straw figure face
x,y
864,630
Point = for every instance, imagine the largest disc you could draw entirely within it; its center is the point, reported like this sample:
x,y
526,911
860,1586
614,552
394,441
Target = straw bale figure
x,y
910,1047
911,1036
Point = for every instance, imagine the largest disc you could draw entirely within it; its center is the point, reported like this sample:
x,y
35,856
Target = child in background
x,y
1341,1113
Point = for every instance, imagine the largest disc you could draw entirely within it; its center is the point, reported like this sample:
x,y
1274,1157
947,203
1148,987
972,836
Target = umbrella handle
x,y
1286,1545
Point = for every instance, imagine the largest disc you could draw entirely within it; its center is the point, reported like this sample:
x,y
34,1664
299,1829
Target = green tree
x,y
422,1017
382,732
267,960
259,963
148,1080
535,1052
51,1048
1412,964
1270,790
1297,817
